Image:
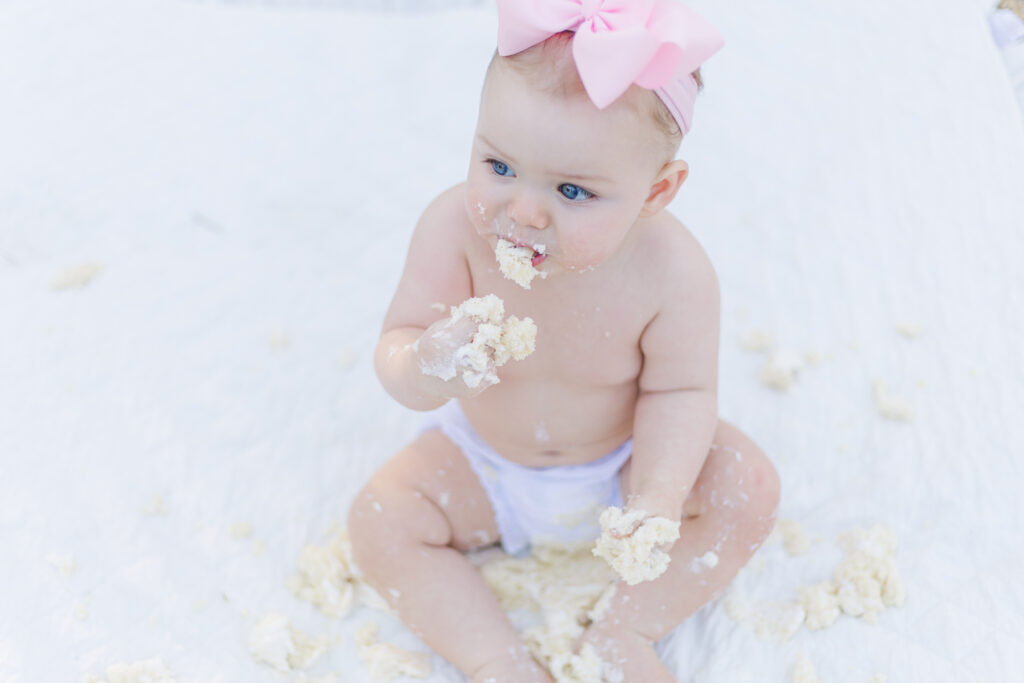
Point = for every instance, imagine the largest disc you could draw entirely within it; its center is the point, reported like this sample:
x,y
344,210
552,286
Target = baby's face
x,y
555,173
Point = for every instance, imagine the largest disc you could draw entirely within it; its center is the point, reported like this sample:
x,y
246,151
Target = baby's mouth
x,y
538,253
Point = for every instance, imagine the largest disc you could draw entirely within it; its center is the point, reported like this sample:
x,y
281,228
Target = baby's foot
x,y
514,668
627,655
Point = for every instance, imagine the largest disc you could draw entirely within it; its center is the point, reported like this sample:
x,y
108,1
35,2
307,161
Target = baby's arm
x,y
676,412
436,272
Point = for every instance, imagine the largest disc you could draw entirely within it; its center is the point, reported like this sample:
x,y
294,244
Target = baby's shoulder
x,y
684,297
447,211
671,251
441,233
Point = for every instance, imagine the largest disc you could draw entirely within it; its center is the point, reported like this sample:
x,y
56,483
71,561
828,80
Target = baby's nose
x,y
528,212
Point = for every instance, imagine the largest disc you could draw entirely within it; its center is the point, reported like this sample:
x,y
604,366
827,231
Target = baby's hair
x,y
550,64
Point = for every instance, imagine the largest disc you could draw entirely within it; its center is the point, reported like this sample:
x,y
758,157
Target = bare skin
x,y
627,344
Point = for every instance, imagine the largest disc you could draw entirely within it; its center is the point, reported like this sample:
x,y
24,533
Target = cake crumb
x,y
585,667
240,530
569,588
328,578
144,671
794,538
910,330
275,642
708,560
385,661
156,506
65,564
803,671
866,581
781,369
863,584
280,340
75,277
756,340
773,621
889,406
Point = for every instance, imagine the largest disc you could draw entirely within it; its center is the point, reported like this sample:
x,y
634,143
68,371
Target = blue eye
x,y
501,168
574,192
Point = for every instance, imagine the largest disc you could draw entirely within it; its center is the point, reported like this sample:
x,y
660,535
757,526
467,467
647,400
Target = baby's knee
x,y
386,517
761,490
766,486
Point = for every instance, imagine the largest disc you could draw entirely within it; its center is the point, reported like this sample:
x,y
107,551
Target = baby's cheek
x,y
477,208
581,251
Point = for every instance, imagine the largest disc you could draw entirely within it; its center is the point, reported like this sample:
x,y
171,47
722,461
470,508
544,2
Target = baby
x,y
573,163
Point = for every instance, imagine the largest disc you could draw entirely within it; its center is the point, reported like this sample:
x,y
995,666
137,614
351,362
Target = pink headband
x,y
656,44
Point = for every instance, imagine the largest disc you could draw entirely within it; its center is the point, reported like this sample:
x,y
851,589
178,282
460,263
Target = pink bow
x,y
617,42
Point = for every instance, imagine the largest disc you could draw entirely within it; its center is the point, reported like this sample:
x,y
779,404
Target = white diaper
x,y
536,504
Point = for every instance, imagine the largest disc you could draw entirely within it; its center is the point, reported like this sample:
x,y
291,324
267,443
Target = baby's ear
x,y
671,176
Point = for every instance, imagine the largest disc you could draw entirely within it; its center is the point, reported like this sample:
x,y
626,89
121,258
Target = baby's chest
x,y
589,327
586,344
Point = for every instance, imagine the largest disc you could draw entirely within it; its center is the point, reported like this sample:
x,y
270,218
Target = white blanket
x,y
247,177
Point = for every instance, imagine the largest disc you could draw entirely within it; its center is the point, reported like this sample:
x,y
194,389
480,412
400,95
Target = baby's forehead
x,y
559,90
532,130
549,68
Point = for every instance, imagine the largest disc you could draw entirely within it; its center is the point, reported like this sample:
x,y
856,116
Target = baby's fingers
x,y
485,382
461,330
627,530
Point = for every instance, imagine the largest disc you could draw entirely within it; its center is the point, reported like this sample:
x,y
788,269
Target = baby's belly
x,y
550,424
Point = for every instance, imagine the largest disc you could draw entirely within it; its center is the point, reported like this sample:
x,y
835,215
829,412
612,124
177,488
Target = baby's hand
x,y
635,543
475,340
446,350
628,524
622,523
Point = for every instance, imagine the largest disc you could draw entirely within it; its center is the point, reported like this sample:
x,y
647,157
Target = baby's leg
x,y
729,513
409,526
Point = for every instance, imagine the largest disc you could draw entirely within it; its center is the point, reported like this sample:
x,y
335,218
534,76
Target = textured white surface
x,y
248,176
